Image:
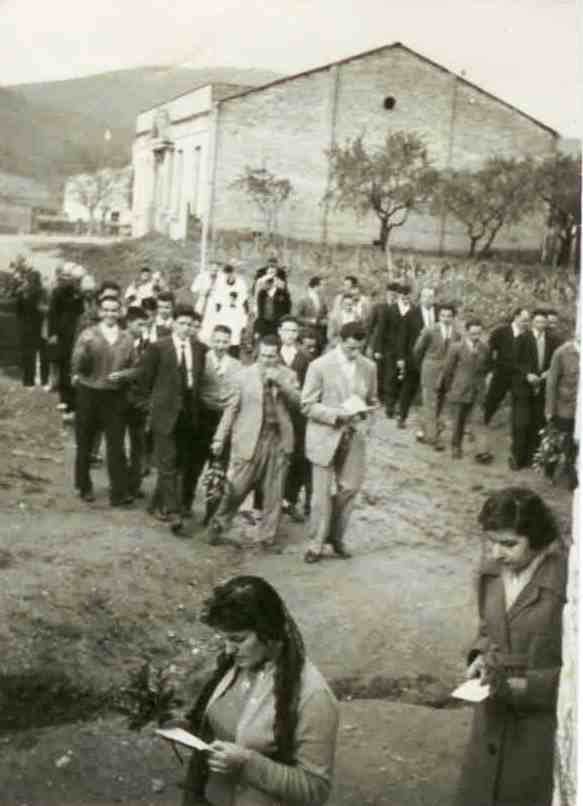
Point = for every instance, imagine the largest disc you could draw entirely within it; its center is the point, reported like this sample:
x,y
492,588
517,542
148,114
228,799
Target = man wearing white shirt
x,y
102,359
335,438
141,289
430,353
218,379
173,369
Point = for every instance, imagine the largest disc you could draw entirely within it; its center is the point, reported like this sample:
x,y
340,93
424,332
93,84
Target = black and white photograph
x,y
290,403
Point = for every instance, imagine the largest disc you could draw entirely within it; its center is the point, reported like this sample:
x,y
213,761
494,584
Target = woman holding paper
x,y
267,712
521,593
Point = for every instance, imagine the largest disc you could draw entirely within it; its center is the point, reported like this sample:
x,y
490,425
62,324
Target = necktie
x,y
447,339
183,370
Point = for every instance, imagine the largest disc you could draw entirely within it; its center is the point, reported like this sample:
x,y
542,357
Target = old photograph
x,y
289,403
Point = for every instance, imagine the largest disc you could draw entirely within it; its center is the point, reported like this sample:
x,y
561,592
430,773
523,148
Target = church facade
x,y
189,153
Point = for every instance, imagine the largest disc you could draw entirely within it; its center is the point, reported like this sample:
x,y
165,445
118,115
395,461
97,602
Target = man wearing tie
x,y
421,316
257,418
138,403
336,436
299,473
220,372
173,369
502,345
534,350
430,352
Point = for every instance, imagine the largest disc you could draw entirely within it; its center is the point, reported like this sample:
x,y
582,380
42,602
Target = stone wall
x,y
287,127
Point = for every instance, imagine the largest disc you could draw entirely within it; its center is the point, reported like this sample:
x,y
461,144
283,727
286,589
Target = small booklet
x,y
356,405
472,691
180,736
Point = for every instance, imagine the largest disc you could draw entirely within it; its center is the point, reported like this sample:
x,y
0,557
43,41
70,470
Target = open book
x,y
181,736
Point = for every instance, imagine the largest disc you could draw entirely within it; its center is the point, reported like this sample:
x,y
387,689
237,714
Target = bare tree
x,y
558,184
267,191
99,191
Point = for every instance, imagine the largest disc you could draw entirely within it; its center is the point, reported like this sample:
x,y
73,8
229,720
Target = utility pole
x,y
449,156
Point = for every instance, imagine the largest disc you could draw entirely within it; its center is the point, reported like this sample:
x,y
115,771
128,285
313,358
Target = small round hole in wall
x,y
389,102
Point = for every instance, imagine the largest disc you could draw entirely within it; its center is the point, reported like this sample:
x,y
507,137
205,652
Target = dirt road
x,y
92,591
88,594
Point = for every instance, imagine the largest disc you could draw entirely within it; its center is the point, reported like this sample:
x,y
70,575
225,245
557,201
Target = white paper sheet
x,y
182,737
471,691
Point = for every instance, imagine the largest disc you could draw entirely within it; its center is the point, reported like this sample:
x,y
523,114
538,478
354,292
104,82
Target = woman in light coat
x,y
521,593
267,711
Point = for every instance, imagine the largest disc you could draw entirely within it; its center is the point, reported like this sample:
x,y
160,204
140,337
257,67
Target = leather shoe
x,y
311,557
438,447
88,497
215,533
176,527
124,502
456,453
342,552
401,423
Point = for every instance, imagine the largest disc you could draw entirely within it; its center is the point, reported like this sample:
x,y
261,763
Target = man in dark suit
x,y
273,303
389,336
312,311
423,315
502,344
534,351
173,369
372,330
299,474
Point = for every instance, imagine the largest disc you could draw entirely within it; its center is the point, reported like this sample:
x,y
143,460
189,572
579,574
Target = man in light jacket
x,y
335,436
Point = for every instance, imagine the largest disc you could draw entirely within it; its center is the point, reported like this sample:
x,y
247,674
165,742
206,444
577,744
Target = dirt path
x,y
94,591
87,594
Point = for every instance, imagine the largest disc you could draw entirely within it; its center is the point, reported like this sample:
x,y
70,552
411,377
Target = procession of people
x,y
251,395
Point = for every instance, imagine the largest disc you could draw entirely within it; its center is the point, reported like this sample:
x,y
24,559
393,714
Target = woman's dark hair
x,y
524,511
251,603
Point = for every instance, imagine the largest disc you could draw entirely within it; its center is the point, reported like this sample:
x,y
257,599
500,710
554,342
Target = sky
x,y
524,51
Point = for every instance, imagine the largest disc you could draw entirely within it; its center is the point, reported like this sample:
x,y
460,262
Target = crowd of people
x,y
248,391
275,397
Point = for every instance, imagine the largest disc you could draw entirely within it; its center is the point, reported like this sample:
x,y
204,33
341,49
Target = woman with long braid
x,y
267,711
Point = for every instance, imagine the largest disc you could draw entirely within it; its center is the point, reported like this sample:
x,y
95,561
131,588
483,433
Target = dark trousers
x,y
135,420
299,473
65,387
566,426
209,421
175,463
528,418
392,383
460,415
31,346
500,385
101,409
409,389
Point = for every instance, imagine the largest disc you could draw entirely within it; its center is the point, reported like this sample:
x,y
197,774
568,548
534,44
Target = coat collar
x,y
550,575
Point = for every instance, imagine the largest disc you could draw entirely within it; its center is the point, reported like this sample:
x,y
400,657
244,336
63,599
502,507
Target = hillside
x,y
56,128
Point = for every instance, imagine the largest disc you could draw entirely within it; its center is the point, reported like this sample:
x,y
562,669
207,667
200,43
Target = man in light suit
x,y
335,436
172,372
430,352
257,418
